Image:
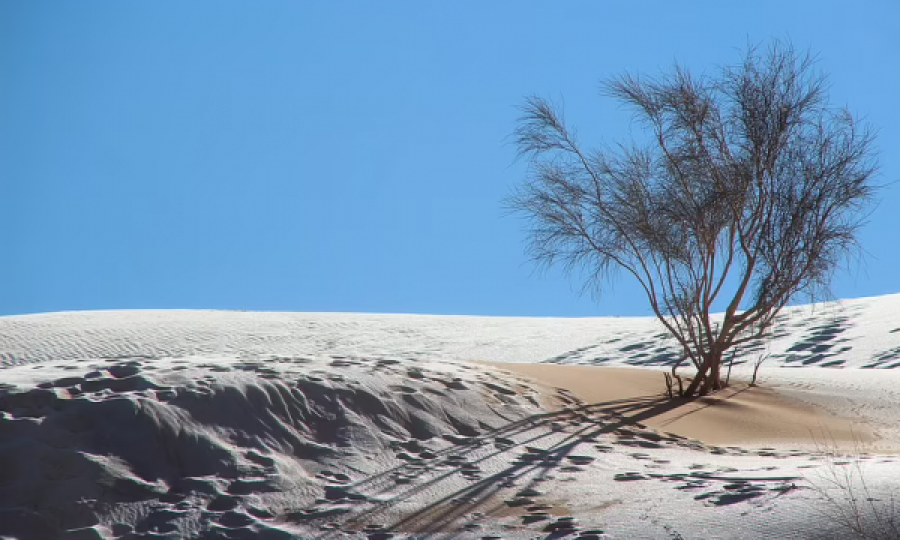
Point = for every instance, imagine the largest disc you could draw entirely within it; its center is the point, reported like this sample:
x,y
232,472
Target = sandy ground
x,y
235,425
739,415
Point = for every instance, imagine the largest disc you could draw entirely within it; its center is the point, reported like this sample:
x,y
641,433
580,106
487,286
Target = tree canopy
x,y
751,190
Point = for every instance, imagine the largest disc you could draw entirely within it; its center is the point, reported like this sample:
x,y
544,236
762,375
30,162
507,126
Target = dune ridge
x,y
207,424
210,432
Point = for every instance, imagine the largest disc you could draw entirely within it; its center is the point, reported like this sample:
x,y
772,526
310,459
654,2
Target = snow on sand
x,y
218,424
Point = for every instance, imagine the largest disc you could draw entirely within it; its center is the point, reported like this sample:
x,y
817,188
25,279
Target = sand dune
x,y
205,424
738,415
165,442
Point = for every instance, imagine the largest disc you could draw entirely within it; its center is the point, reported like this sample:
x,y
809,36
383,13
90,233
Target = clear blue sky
x,y
351,156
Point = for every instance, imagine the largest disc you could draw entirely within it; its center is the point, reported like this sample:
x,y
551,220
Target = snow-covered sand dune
x,y
225,424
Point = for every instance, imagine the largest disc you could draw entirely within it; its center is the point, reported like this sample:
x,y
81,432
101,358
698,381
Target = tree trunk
x,y
708,376
713,380
698,379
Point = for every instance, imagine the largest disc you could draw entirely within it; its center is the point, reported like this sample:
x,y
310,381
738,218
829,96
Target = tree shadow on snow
x,y
388,492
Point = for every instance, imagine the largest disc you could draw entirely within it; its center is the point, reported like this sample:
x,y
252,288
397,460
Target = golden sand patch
x,y
739,415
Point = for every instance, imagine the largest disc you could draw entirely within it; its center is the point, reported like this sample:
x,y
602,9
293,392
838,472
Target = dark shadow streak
x,y
607,417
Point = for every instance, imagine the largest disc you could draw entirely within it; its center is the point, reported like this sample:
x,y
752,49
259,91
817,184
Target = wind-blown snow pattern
x,y
228,424
818,335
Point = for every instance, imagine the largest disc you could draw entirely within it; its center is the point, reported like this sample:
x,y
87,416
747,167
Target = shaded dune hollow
x,y
223,448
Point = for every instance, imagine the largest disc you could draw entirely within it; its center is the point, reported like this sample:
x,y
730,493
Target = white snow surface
x,y
228,424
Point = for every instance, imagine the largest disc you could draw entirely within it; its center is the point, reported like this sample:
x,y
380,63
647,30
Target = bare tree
x,y
750,190
760,360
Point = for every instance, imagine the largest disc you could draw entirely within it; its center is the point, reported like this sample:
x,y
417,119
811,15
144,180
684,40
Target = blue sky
x,y
352,156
